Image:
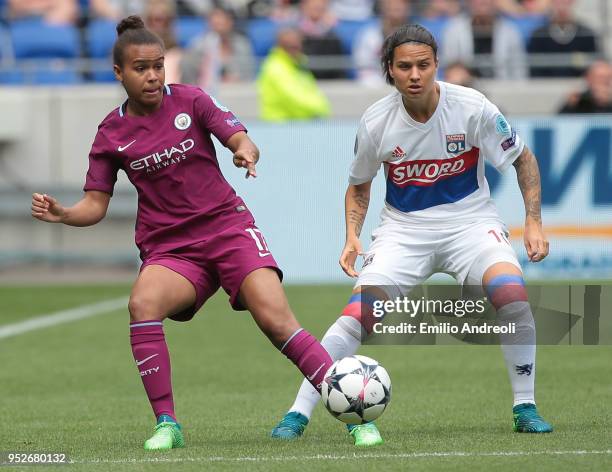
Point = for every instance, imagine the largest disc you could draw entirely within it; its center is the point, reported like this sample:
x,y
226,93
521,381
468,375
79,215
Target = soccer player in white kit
x,y
433,138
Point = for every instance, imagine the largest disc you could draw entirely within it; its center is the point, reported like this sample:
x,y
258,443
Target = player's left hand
x,y
247,159
535,241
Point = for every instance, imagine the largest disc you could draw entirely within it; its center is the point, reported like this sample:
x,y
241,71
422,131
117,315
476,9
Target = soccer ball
x,y
356,389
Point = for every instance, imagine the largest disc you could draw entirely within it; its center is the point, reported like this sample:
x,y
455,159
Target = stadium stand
x,y
32,47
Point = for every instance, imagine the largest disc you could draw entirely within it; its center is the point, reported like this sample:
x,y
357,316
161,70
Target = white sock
x,y
342,339
519,350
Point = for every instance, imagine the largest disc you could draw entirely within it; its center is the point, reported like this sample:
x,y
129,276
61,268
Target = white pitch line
x,y
64,316
326,457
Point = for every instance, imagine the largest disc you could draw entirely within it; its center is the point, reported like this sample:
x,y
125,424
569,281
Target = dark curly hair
x,y
404,34
131,30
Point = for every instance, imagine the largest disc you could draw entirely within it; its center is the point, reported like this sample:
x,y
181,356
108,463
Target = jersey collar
x,y
434,116
122,108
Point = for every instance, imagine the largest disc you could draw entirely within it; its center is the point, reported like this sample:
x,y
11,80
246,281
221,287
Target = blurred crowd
x,y
341,39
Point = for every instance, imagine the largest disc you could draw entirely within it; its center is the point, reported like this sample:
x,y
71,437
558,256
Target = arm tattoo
x,y
356,220
357,207
528,176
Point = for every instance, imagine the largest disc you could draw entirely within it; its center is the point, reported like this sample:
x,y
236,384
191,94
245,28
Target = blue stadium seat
x,y
4,40
188,28
55,76
42,72
100,38
347,31
262,33
45,54
33,38
10,77
103,72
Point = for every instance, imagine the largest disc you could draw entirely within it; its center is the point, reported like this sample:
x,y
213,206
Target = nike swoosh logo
x,y
264,254
310,377
123,148
145,360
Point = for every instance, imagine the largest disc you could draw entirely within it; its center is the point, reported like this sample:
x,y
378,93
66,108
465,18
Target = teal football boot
x,y
292,426
527,419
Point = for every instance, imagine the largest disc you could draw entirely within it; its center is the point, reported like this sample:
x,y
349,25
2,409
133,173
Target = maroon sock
x,y
308,355
153,362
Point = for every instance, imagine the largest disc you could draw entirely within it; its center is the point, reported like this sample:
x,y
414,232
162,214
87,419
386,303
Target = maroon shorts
x,y
223,261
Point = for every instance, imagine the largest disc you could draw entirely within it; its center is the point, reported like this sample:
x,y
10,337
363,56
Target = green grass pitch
x,y
74,388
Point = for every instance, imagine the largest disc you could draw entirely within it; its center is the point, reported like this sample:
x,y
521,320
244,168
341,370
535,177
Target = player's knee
x,y
142,308
505,289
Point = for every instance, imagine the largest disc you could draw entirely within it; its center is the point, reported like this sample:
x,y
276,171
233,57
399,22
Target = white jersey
x,y
434,171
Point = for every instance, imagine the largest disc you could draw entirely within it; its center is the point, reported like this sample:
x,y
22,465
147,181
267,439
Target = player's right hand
x,y
46,208
351,250
246,158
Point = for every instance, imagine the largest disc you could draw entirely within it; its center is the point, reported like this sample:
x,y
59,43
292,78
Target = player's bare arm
x,y
528,176
86,212
245,152
356,205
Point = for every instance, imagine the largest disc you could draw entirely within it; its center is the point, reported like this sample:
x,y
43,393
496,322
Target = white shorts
x,y
401,257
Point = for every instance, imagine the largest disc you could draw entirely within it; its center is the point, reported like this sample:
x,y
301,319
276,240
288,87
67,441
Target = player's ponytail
x,y
132,30
405,34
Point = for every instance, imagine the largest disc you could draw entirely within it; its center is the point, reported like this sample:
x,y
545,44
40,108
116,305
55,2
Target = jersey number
x,y
260,241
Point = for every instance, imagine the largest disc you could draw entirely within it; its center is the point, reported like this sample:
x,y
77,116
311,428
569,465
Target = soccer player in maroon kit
x,y
194,234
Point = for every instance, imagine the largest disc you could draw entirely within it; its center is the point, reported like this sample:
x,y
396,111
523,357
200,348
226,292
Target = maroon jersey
x,y
170,158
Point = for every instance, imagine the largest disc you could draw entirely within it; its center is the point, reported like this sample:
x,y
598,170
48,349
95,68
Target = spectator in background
x,y
220,55
116,9
276,10
459,74
353,10
563,39
316,24
287,89
368,43
484,41
59,12
524,7
597,98
160,17
434,14
196,7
